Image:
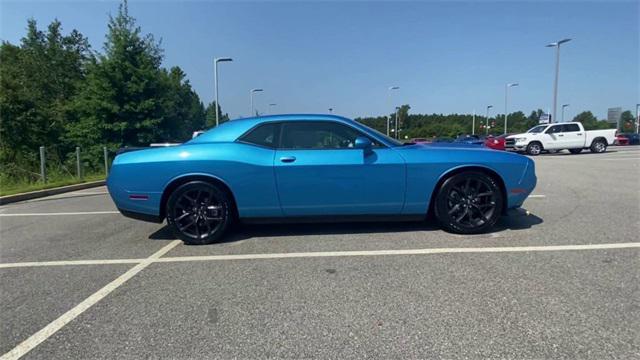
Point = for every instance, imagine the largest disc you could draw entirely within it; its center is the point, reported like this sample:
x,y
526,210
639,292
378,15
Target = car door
x,y
553,138
573,137
319,172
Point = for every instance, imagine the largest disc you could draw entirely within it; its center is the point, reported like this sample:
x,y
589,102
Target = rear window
x,y
571,127
263,135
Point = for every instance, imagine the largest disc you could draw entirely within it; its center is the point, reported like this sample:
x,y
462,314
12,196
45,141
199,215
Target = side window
x,y
263,135
555,129
571,128
318,135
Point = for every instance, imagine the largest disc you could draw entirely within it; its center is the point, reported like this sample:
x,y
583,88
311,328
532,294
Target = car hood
x,y
520,135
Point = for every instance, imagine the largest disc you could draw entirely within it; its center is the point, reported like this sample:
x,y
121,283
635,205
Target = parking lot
x,y
80,281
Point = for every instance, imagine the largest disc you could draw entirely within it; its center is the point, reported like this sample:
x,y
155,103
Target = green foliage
x,y
211,115
627,122
590,122
439,125
38,81
55,92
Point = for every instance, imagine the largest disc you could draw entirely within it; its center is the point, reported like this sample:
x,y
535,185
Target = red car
x,y
621,140
495,142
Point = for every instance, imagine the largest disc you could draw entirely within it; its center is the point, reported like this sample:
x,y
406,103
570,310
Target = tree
x,y
627,121
211,115
590,122
38,81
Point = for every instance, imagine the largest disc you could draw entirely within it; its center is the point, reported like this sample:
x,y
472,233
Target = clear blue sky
x,y
447,57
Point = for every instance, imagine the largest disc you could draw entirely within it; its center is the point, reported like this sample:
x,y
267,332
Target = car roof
x,y
231,130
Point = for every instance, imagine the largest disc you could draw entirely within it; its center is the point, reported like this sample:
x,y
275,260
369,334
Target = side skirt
x,y
332,219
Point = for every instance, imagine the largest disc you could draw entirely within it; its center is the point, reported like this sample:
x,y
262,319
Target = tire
x,y
469,203
598,146
198,212
575,151
534,148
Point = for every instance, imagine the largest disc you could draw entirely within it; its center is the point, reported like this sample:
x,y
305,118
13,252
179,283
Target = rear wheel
x,y
598,146
469,203
198,212
575,151
534,148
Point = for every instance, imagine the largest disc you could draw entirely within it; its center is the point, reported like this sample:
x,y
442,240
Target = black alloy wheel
x,y
198,212
469,203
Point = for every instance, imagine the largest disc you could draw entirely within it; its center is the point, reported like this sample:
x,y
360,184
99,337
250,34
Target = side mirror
x,y
363,143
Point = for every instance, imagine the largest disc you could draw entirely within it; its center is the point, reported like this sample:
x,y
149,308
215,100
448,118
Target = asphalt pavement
x,y
80,281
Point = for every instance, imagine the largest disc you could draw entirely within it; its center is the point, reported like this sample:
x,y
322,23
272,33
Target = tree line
x,y
451,125
56,91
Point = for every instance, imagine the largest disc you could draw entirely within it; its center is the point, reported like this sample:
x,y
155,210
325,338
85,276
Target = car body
x,y
621,140
470,139
560,136
299,167
495,142
633,138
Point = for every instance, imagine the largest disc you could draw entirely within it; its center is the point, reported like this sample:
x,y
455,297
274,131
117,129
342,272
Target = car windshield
x,y
388,139
537,129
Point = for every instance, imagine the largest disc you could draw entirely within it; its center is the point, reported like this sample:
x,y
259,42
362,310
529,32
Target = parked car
x,y
420,141
556,137
470,139
621,140
634,138
495,142
297,167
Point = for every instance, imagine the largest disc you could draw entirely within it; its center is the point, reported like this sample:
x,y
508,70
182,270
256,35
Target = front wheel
x,y
198,212
469,203
534,149
599,146
575,151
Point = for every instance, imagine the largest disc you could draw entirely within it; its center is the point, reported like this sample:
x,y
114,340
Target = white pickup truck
x,y
556,137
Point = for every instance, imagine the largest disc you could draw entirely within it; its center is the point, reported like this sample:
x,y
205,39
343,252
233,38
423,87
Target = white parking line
x,y
428,251
537,196
70,262
42,335
401,252
62,213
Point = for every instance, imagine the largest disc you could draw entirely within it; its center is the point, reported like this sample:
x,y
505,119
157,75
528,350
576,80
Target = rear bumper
x,y
140,216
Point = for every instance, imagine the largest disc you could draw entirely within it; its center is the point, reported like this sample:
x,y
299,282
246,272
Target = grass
x,y
21,187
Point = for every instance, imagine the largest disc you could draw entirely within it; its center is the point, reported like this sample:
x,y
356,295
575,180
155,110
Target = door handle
x,y
288,159
560,135
579,134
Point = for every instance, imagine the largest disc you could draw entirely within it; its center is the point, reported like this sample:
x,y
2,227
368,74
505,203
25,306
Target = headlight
x,y
521,140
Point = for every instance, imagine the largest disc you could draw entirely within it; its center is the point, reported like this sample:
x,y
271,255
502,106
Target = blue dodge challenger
x,y
302,167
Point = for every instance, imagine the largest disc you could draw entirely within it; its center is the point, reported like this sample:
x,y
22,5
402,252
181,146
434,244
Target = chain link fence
x,y
50,165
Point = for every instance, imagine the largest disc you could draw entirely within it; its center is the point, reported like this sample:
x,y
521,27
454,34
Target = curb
x,y
48,192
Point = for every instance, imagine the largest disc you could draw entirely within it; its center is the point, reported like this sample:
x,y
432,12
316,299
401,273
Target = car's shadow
x,y
517,220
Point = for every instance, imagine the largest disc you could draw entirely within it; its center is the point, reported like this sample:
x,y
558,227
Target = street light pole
x,y
564,106
396,124
473,123
638,118
389,117
555,83
251,99
330,110
506,92
215,80
486,126
270,105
